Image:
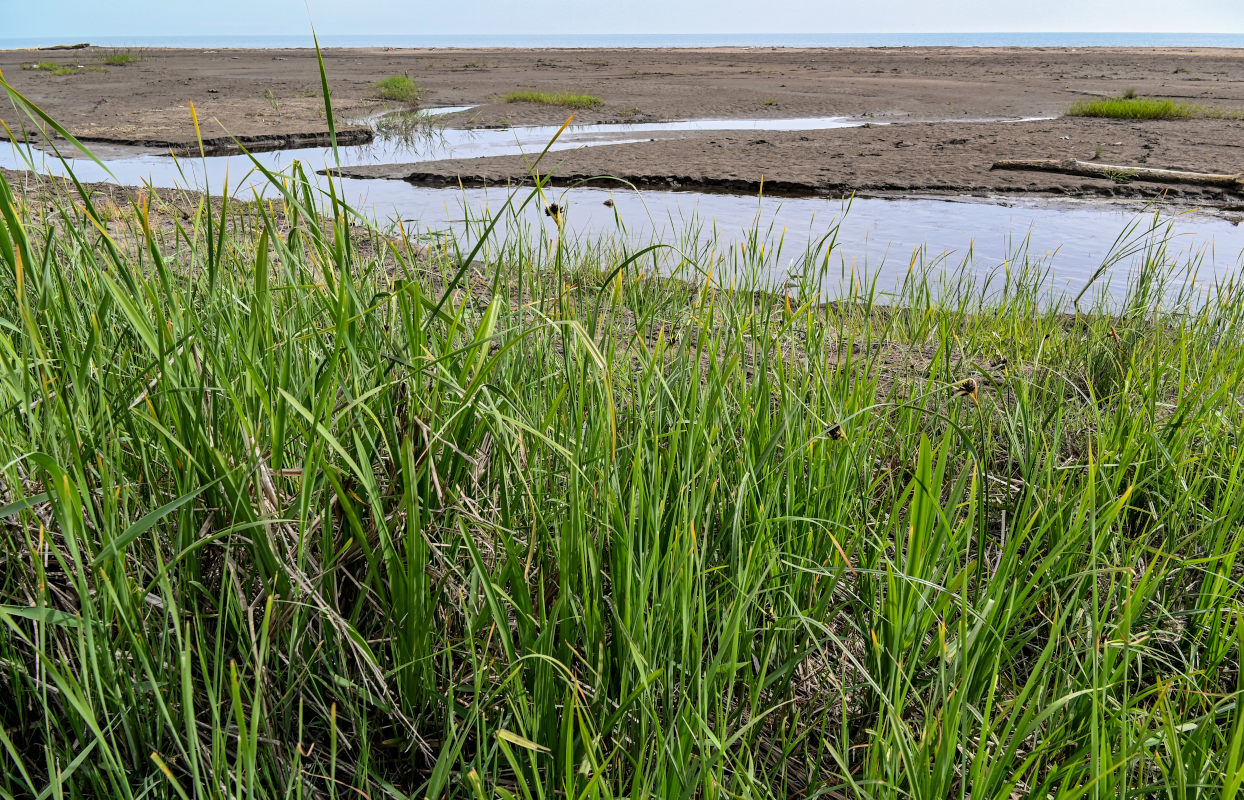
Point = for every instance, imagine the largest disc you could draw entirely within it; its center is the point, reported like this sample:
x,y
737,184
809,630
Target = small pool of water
x,y
877,236
439,111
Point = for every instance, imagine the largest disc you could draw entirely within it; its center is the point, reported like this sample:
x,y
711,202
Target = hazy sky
x,y
171,17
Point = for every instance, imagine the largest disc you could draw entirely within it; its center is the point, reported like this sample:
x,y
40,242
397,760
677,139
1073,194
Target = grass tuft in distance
x,y
119,58
564,99
399,88
1130,106
56,68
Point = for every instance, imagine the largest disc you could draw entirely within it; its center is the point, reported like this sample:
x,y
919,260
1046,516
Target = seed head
x,y
967,388
835,434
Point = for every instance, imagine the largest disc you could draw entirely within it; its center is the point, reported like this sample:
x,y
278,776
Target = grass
x,y
119,58
399,88
56,68
291,508
564,99
1129,106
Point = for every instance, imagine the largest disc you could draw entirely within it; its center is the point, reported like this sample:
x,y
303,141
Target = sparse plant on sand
x,y
564,99
119,58
56,68
1129,106
399,88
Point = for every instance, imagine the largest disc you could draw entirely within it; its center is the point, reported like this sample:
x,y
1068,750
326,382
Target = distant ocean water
x,y
656,40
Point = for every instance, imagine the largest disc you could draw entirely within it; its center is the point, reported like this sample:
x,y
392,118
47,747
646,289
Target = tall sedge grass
x,y
291,508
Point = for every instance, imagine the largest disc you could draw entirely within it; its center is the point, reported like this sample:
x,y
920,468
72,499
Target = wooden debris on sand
x,y
78,46
1070,166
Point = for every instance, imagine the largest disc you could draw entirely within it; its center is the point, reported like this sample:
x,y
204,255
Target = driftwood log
x,y
1070,166
78,46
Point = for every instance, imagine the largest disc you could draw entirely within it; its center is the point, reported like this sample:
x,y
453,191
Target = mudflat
x,y
914,158
948,111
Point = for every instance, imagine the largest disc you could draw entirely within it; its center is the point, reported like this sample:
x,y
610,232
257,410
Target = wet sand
x,y
269,98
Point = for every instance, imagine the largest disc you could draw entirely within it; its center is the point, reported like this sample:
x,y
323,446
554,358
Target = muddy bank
x,y
229,145
925,158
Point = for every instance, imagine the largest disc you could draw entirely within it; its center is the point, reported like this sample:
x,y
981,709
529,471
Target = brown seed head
x,y
967,388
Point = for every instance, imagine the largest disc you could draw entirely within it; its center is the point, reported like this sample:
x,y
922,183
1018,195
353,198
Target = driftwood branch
x,y
1070,166
78,46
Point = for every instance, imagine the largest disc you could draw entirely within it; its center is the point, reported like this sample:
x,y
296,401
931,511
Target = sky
x,y
21,18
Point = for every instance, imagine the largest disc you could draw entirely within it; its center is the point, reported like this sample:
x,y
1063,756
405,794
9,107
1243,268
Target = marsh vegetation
x,y
292,506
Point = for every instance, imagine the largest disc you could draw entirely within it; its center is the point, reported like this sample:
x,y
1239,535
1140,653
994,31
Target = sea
x,y
639,40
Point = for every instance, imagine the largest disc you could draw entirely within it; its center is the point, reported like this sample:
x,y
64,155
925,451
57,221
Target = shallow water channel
x,y
876,237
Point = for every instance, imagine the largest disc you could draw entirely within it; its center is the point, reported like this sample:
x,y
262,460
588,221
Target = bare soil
x,y
271,97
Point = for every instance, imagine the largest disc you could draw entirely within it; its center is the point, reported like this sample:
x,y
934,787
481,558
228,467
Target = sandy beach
x,y
943,115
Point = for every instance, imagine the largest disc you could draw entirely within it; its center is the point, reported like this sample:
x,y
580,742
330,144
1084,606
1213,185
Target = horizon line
x,y
649,33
